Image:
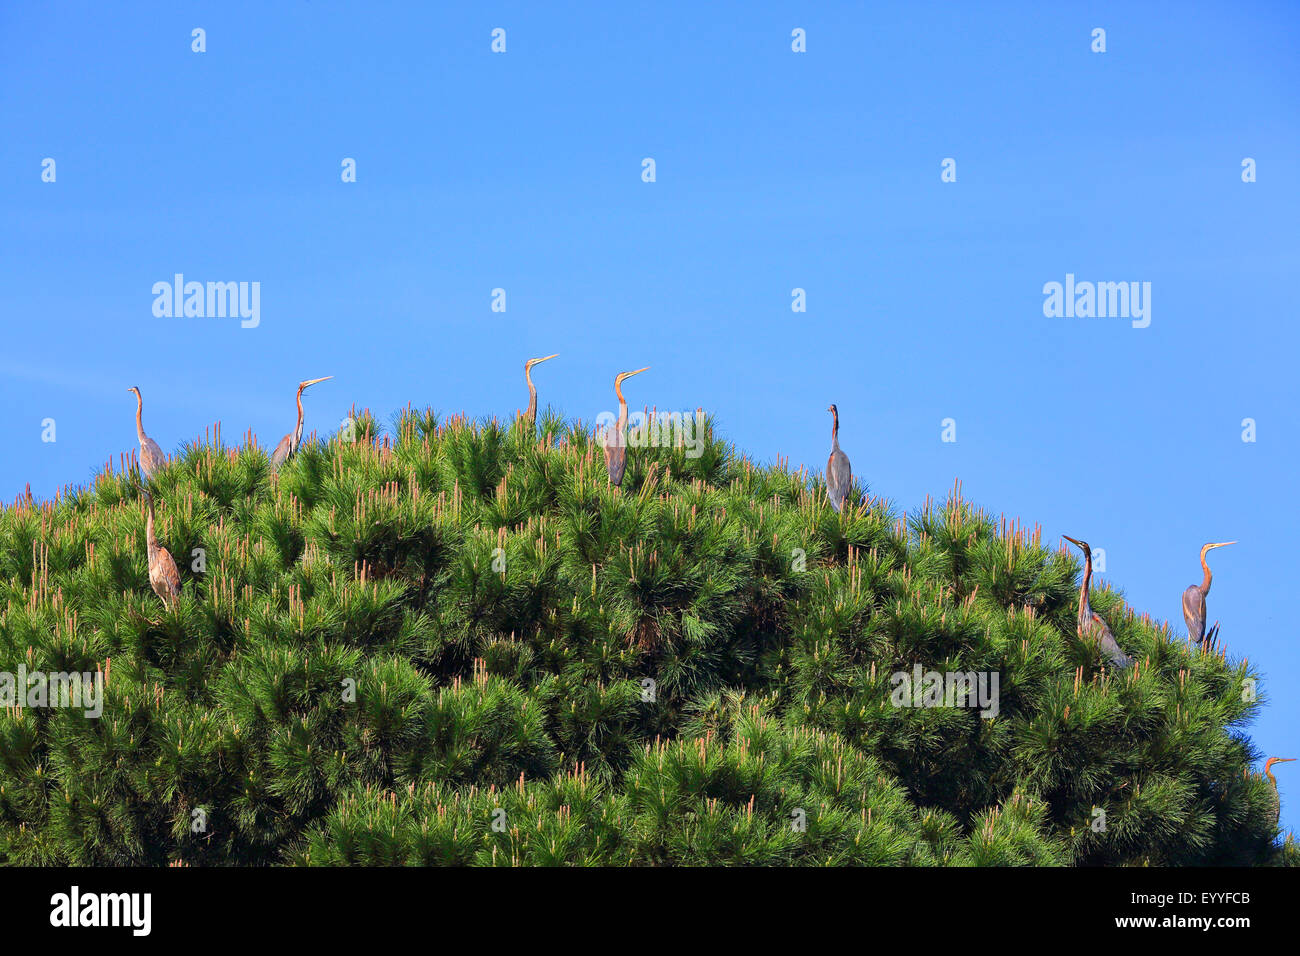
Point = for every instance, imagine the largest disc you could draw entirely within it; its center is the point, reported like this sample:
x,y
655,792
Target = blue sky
x,y
775,170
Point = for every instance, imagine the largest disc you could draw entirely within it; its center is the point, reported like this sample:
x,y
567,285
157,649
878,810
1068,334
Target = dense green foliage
x,y
358,675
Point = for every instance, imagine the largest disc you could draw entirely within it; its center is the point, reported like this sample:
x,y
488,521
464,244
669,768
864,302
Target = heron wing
x,y
839,478
151,457
164,577
282,450
1109,645
1194,612
615,454
615,463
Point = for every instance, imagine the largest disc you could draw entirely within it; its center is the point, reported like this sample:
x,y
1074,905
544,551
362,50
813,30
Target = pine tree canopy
x,y
457,644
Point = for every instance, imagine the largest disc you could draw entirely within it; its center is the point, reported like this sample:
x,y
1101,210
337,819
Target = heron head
x,y
626,375
1076,541
136,389
1272,760
832,409
1210,547
538,361
313,381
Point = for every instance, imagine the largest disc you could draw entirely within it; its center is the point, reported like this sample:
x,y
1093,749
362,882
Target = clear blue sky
x,y
775,170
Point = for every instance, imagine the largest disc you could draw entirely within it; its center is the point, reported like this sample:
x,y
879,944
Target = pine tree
x,y
456,644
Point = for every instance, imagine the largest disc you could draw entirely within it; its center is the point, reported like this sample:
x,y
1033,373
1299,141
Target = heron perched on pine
x,y
1090,625
289,443
1277,800
839,474
151,456
615,440
1194,602
163,576
531,414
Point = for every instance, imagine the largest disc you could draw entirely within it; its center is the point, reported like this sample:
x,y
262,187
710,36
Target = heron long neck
x,y
297,432
139,420
150,540
622,409
532,395
1205,581
835,429
1085,609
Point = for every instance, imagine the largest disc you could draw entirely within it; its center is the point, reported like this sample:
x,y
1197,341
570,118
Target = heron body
x,y
151,456
289,443
531,414
839,474
1194,601
163,576
1277,800
1090,624
615,442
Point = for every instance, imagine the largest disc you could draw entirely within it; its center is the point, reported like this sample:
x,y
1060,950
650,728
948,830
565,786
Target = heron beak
x,y
1224,544
623,376
547,359
314,381
1283,759
1074,541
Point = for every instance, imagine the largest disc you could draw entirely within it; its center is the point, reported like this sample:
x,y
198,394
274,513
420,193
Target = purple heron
x,y
839,474
531,414
164,577
151,456
1277,801
615,444
1194,602
289,443
1091,626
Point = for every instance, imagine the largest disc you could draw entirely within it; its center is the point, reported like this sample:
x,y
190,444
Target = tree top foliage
x,y
457,644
